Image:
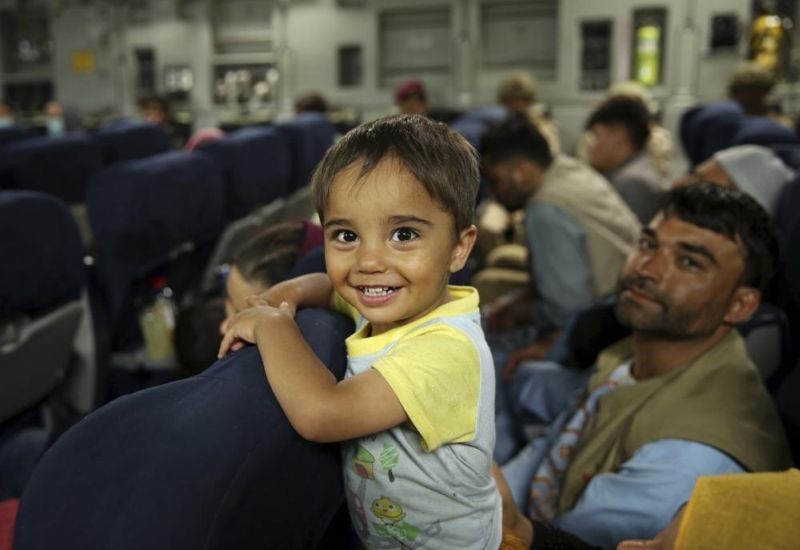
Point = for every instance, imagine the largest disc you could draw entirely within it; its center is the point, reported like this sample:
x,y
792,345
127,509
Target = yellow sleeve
x,y
342,306
436,376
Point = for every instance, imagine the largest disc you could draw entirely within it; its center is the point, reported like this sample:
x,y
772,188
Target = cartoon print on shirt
x,y
389,459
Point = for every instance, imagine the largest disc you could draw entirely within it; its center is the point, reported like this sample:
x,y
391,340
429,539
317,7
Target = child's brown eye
x,y
345,236
404,234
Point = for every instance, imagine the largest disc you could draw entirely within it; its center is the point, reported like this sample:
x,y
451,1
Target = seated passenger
x,y
61,118
266,259
660,144
578,230
619,131
677,400
753,169
410,98
7,118
415,411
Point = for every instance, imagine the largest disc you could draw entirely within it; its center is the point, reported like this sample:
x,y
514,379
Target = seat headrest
x,y
42,254
256,165
60,166
131,139
145,209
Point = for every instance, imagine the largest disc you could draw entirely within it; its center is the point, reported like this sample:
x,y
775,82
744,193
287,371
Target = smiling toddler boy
x,y
415,412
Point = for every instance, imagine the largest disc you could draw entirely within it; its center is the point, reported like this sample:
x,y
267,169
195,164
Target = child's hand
x,y
281,293
242,328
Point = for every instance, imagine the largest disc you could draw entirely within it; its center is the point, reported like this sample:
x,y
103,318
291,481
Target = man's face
x,y
509,183
680,281
608,147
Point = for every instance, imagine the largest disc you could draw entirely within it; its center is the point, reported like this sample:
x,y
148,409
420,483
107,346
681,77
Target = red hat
x,y
409,88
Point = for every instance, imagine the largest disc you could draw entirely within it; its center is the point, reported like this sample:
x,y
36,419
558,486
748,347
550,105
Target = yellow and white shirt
x,y
427,483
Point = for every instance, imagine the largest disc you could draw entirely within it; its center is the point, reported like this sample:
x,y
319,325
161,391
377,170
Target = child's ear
x,y
462,248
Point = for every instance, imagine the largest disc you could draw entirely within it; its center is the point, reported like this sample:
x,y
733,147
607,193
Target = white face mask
x,y
55,126
6,121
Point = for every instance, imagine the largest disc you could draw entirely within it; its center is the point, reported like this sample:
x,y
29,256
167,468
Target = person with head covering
x,y
754,169
411,97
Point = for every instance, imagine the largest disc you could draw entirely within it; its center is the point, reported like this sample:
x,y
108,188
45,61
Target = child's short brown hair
x,y
443,161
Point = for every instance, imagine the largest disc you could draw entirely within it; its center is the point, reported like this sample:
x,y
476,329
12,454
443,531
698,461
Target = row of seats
x,y
708,128
162,215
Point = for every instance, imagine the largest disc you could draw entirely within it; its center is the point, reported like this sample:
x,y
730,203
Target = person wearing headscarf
x,y
754,169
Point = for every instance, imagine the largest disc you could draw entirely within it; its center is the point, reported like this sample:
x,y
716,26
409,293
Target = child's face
x,y
389,247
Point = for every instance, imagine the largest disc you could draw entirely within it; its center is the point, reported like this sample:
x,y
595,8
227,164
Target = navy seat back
x,y
309,136
40,286
474,124
159,215
256,166
42,254
130,140
709,128
206,462
12,134
787,219
59,166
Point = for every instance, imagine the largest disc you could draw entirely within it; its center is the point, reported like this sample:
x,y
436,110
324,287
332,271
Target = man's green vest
x,y
717,400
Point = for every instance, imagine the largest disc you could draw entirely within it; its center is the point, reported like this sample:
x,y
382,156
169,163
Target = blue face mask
x,y
55,126
6,121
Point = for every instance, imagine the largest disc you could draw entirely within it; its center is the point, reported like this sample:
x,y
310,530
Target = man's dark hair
x,y
438,157
514,137
736,215
311,102
626,112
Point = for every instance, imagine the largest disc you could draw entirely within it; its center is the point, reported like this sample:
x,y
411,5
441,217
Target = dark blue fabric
x,y
256,166
312,262
12,134
208,462
309,136
475,123
761,130
41,253
60,166
710,128
131,140
787,218
141,212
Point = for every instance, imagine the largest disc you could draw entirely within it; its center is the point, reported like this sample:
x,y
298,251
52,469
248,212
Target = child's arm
x,y
312,290
318,407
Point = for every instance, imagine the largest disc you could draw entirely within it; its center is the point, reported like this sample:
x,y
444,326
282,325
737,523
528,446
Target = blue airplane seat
x,y
130,140
42,254
41,283
60,166
155,216
789,276
309,136
206,462
710,128
474,123
256,165
312,262
761,130
12,134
